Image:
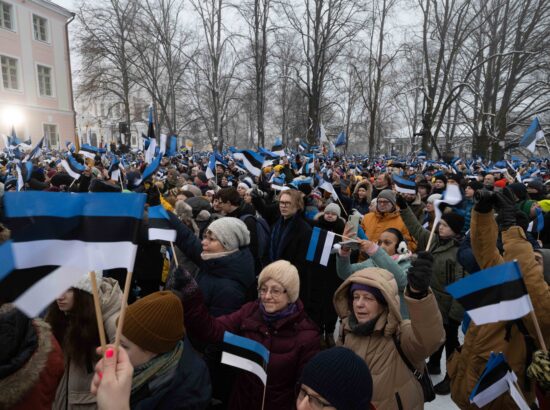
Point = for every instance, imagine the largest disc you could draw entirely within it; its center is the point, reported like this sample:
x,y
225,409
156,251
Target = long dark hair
x,y
76,330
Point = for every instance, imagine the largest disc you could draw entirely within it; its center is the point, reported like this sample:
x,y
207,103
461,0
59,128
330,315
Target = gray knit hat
x,y
231,232
388,194
333,208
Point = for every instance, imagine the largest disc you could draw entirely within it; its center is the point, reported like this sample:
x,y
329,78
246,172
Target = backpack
x,y
263,234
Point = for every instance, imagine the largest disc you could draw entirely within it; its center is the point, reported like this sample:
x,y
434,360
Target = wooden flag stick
x,y
346,237
98,314
174,252
539,333
430,238
127,287
343,209
263,397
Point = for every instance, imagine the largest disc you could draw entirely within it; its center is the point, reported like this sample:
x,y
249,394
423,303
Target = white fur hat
x,y
85,284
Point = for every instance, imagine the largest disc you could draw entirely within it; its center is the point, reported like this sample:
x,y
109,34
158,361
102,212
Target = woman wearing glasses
x,y
276,319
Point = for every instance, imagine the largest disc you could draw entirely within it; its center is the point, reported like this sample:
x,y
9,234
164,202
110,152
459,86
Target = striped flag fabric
x,y
278,148
151,169
341,139
537,225
320,246
57,237
532,135
160,227
36,151
89,151
245,354
493,294
252,161
451,196
73,167
404,185
497,378
327,186
211,168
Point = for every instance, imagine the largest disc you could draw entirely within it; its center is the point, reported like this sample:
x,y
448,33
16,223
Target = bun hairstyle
x,y
401,247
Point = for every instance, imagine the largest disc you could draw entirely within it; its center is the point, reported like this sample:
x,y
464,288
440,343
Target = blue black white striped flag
x,y
404,185
494,294
58,237
252,161
320,246
89,151
245,354
532,135
160,227
73,167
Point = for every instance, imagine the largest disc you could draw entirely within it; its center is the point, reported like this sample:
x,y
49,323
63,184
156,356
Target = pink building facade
x,y
36,96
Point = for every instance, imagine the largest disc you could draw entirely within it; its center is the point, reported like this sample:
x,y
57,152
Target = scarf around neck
x,y
363,329
208,256
271,318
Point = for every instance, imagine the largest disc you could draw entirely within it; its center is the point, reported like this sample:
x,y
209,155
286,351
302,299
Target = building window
x,y
40,25
10,76
50,132
6,15
45,81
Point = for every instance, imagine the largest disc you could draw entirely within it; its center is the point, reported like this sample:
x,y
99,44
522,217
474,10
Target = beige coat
x,y
73,391
420,336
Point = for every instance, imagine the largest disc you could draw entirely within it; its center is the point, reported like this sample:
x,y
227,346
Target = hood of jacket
x,y
110,297
377,278
365,183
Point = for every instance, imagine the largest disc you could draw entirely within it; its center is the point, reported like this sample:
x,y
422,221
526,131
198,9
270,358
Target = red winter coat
x,y
292,342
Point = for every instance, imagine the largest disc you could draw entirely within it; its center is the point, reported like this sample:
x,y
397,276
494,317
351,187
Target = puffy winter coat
x,y
73,391
374,223
398,266
394,385
466,364
30,375
224,281
446,269
188,389
291,341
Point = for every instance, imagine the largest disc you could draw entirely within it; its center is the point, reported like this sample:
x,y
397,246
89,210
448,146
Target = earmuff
x,y
401,247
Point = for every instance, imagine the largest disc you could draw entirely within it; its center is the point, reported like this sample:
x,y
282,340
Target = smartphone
x,y
354,221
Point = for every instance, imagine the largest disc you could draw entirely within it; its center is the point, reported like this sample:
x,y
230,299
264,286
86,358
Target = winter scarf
x,y
271,318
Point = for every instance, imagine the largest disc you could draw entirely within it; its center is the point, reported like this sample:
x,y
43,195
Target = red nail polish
x,y
100,375
109,353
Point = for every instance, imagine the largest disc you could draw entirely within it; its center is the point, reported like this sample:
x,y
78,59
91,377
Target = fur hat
x,y
231,232
183,210
286,274
433,197
155,322
389,195
85,284
333,208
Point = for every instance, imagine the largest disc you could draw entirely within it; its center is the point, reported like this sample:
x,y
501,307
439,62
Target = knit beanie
x,y
85,284
155,322
525,207
284,273
476,185
231,232
441,177
371,289
519,190
388,194
333,208
455,221
341,377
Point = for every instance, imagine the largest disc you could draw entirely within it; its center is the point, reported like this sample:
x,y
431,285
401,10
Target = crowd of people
x,y
364,331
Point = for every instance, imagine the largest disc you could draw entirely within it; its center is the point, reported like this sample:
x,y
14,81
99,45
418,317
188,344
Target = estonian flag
x,y
497,378
451,196
172,146
320,246
341,139
73,167
494,294
532,135
151,127
327,186
57,237
537,225
160,227
252,161
90,151
36,151
245,354
211,168
151,169
278,148
403,185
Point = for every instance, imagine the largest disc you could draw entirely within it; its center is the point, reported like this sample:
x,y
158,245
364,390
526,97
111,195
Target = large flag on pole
x,y
253,161
245,354
493,294
341,139
532,135
58,237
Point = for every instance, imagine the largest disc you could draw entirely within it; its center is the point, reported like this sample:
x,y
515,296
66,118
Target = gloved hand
x,y
256,193
484,201
401,202
184,282
539,369
420,273
504,204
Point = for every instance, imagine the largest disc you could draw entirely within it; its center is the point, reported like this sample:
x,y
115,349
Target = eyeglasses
x,y
383,202
314,401
275,292
285,203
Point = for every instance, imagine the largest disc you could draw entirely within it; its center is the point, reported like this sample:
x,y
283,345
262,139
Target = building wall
x,y
35,110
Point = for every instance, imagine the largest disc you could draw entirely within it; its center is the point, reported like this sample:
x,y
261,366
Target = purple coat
x,y
291,341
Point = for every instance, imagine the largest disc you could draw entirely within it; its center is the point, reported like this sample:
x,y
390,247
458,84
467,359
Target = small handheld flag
x,y
245,354
159,225
320,246
403,185
493,294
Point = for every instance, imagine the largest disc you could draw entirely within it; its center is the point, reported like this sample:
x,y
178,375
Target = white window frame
x,y
19,74
56,134
13,19
52,80
48,29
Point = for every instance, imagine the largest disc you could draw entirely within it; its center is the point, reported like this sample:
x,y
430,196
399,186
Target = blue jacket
x,y
223,281
189,389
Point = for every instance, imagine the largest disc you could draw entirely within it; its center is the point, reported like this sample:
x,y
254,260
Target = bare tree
x,y
107,59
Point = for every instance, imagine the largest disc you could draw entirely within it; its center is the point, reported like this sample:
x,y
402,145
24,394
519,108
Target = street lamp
x,y
392,142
